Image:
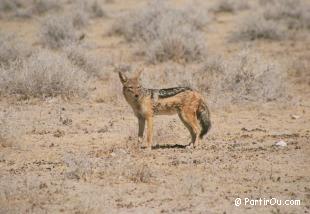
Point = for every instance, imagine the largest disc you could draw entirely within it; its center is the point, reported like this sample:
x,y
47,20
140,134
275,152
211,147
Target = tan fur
x,y
146,103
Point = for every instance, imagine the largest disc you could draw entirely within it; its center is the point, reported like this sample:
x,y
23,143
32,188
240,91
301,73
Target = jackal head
x,y
132,85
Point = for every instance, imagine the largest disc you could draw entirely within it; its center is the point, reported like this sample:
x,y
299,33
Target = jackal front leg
x,y
141,122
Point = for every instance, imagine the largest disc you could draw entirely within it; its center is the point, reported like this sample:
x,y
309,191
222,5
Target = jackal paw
x,y
140,140
146,147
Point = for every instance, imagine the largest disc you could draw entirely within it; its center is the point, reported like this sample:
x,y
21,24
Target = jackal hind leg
x,y
186,124
191,118
149,121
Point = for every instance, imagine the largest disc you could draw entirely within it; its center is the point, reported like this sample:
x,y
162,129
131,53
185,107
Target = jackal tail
x,y
203,116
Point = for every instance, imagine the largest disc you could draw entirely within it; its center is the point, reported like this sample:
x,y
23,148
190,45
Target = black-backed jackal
x,y
184,101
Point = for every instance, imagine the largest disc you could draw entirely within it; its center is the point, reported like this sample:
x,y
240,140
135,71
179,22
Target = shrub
x,y
196,16
165,33
177,45
229,6
78,56
25,9
10,130
257,27
43,6
78,167
93,8
248,76
5,132
11,49
57,32
292,13
274,21
41,75
23,13
96,10
80,19
11,8
140,174
299,69
9,5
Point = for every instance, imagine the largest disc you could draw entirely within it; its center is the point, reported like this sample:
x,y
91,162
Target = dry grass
x,y
177,45
112,91
92,8
275,20
165,33
58,32
92,65
294,14
12,49
24,9
78,167
10,5
255,26
140,173
229,6
246,77
5,131
299,69
41,75
43,6
80,19
11,131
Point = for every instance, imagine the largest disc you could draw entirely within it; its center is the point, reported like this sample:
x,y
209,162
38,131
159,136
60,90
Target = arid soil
x,y
82,156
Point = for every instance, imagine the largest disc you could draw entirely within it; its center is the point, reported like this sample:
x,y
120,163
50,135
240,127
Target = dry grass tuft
x,y
246,77
78,167
93,66
43,6
10,131
12,49
41,75
92,8
26,9
140,174
80,19
5,134
294,14
275,20
10,5
257,27
165,33
299,69
58,32
229,6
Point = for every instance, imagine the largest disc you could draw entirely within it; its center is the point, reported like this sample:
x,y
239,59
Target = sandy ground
x,y
81,156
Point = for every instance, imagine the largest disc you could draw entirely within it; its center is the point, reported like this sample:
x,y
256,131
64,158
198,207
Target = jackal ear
x,y
138,72
122,77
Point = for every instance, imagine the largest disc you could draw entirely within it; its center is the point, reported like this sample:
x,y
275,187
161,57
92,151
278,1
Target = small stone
x,y
295,117
103,130
59,133
281,143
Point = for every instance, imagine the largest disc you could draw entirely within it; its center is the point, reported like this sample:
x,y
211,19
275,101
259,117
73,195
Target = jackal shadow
x,y
169,146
